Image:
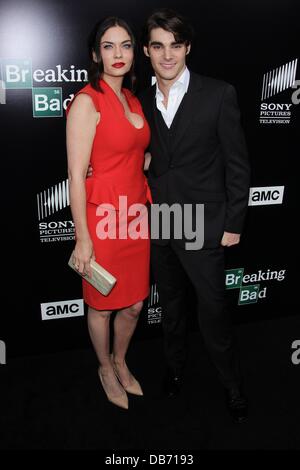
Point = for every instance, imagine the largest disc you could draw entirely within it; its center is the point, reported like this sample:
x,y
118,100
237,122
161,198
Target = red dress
x,y
117,159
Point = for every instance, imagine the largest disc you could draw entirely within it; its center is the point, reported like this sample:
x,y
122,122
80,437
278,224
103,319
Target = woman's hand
x,y
82,255
89,171
147,160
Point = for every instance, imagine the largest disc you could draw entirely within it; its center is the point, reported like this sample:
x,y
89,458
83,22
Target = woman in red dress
x,y
107,129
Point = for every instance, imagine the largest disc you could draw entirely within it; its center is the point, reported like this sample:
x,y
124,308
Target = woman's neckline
x,y
126,93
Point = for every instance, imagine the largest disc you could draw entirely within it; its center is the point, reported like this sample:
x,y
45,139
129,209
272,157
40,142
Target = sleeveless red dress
x,y
117,159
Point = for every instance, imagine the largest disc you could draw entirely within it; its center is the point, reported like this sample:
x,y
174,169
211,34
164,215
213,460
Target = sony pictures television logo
x,y
57,231
154,309
49,202
275,82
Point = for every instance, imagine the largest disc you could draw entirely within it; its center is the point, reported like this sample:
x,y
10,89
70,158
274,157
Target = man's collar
x,y
183,81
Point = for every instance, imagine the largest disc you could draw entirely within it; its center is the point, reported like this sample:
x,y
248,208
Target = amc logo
x,y
263,196
56,310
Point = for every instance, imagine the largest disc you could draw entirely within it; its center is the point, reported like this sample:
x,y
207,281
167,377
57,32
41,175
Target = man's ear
x,y
146,52
188,49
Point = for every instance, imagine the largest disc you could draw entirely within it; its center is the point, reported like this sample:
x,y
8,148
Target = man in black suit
x,y
198,156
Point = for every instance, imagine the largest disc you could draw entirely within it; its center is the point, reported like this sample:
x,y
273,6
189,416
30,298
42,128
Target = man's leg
x,y
172,283
205,268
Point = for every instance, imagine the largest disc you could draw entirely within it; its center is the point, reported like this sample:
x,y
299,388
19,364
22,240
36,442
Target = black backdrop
x,y
251,44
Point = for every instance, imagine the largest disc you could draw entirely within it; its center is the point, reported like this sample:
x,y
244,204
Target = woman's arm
x,y
81,127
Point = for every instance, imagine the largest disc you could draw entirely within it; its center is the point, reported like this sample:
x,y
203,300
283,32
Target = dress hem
x,y
140,298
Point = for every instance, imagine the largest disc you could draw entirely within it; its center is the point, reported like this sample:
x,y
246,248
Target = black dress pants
x,y
173,267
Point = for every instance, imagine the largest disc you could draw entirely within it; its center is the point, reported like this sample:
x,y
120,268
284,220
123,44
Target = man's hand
x,y
230,239
89,171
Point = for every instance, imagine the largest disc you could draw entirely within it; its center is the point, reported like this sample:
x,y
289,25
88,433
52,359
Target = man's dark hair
x,y
96,69
170,21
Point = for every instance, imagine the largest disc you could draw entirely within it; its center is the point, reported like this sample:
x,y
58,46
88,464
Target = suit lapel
x,y
157,123
149,107
188,106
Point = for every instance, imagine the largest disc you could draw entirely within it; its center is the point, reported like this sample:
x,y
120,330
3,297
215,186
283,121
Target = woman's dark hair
x,y
96,69
170,21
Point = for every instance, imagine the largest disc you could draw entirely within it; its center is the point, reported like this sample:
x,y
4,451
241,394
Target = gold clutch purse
x,y
101,279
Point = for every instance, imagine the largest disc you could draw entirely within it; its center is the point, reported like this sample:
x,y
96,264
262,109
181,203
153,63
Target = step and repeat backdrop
x,y
44,61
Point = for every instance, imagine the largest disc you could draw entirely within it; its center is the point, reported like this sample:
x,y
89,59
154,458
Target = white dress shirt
x,y
176,94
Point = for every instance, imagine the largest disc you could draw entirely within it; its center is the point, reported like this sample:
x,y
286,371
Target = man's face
x,y
166,55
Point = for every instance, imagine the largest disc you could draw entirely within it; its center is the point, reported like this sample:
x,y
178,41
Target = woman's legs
x,y
124,326
98,325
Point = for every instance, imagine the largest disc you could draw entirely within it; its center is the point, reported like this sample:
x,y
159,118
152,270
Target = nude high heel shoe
x,y
118,400
134,388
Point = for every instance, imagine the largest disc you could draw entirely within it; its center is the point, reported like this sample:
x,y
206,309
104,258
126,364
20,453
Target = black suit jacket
x,y
205,160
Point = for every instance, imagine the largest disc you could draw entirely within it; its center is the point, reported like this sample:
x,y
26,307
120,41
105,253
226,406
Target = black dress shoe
x,y
237,404
172,384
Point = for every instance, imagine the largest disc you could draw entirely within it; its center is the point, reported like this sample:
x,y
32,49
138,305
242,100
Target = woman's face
x,y
116,50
